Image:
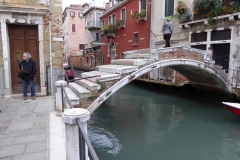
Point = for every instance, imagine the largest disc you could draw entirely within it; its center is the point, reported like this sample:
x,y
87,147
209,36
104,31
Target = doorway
x,y
23,38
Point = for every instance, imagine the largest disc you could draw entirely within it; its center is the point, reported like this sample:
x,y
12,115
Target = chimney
x,y
107,6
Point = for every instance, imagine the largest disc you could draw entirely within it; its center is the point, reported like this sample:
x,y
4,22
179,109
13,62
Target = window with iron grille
x,y
73,28
169,7
199,37
72,14
221,54
81,46
221,35
202,47
135,38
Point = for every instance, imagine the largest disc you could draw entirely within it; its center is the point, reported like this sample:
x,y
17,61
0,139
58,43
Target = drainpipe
x,y
150,41
50,50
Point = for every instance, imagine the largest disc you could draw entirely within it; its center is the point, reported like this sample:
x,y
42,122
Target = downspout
x,y
150,41
50,50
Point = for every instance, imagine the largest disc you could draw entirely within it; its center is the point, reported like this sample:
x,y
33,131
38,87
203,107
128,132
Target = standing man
x,y
167,32
29,70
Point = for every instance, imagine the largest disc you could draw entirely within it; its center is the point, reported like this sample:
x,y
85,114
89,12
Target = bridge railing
x,y
233,76
78,144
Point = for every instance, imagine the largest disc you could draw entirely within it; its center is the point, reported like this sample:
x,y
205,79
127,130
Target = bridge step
x,y
104,76
132,62
89,85
80,91
119,69
72,96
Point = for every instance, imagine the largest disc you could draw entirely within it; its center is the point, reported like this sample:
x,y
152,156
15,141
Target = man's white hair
x,y
28,55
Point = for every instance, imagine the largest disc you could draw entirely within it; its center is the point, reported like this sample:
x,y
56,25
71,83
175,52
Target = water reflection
x,y
139,124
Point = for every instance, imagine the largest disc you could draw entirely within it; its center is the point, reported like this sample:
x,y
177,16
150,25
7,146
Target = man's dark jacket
x,y
29,69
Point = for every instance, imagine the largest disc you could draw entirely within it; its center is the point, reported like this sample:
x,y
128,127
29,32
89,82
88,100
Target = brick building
x,y
25,28
125,26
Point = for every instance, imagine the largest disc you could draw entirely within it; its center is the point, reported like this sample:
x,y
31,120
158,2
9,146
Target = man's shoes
x,y
33,98
24,98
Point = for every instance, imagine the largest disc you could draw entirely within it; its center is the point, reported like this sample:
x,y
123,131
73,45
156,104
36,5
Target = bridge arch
x,y
199,74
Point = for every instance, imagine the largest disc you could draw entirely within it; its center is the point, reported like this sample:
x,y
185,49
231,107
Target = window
x,y
221,35
123,16
114,19
86,22
98,20
81,46
199,37
80,14
86,39
169,7
110,20
135,38
143,4
73,28
72,14
103,23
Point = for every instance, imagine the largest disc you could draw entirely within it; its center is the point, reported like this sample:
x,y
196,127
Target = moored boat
x,y
233,107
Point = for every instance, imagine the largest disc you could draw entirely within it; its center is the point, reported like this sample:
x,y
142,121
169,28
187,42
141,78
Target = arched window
x,y
73,28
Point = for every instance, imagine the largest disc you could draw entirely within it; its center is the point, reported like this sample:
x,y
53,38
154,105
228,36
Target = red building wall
x,y
124,38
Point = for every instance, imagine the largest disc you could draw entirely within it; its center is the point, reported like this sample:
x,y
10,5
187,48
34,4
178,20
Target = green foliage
x,y
103,86
83,52
92,98
184,17
169,17
139,16
215,10
181,7
119,23
111,28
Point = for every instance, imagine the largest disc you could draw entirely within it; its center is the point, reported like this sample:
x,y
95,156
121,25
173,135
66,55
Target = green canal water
x,y
138,124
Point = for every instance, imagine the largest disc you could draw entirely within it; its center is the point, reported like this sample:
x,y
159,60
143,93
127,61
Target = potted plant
x,y
139,16
119,24
108,30
181,7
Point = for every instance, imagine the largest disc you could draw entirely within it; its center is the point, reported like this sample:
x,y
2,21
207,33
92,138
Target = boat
x,y
233,107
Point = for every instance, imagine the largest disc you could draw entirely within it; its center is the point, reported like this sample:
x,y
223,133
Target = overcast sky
x,y
67,3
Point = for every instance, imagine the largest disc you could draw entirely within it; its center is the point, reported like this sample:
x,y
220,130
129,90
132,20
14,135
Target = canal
x,y
139,124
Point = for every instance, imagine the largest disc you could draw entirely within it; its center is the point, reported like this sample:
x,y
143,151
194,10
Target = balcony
x,y
189,15
94,25
109,30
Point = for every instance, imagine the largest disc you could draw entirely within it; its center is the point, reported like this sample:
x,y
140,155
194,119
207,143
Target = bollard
x,y
72,131
59,96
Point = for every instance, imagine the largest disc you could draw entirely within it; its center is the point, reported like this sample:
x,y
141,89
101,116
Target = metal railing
x,y
83,138
96,24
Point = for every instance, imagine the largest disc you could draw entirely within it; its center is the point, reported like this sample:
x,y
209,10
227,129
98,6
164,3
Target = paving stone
x,y
36,147
23,120
15,133
26,116
32,156
5,122
40,124
12,150
34,131
3,128
6,141
20,127
5,159
31,138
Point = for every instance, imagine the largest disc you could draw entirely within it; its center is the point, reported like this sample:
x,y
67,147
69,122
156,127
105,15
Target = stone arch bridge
x,y
92,91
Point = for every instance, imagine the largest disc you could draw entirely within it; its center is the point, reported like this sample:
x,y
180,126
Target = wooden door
x,y
22,39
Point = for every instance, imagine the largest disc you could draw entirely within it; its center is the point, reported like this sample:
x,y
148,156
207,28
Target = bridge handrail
x,y
83,138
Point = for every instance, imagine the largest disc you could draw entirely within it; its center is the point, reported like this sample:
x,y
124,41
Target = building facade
x,y
125,26
200,28
91,56
73,31
35,27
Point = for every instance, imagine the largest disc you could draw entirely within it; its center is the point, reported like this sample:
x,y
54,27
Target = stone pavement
x,y
24,128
